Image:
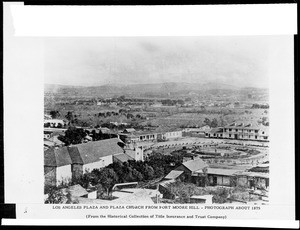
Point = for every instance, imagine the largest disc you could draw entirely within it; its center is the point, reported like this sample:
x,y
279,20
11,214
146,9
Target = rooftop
x,y
123,157
246,125
253,174
173,174
57,157
82,153
92,151
220,171
194,165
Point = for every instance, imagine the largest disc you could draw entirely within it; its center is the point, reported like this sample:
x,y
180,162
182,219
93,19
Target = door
x,y
235,136
215,181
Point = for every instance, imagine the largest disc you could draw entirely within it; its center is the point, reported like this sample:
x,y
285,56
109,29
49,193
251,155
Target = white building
x,y
54,122
57,166
63,164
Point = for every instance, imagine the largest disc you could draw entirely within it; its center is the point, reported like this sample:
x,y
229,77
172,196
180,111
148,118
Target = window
x,y
255,137
236,130
265,138
229,135
229,129
256,131
263,132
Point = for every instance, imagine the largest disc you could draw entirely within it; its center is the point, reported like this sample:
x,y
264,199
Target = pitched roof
x,y
122,157
194,165
139,197
57,157
91,152
129,130
215,130
253,174
173,174
223,172
75,155
245,125
75,190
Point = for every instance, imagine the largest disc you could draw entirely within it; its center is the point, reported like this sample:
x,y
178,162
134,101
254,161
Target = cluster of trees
x,y
264,121
258,106
73,136
170,102
124,99
155,166
54,114
121,112
96,136
211,123
107,114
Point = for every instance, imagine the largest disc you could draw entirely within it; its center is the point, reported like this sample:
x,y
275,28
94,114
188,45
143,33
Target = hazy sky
x,y
237,60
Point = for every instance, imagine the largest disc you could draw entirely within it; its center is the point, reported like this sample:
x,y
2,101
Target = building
x,y
193,171
240,131
54,123
167,133
256,177
129,130
57,166
246,131
214,133
197,130
221,177
137,136
62,164
93,155
137,153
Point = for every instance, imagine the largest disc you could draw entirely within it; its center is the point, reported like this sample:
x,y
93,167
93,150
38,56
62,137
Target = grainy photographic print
x,y
157,120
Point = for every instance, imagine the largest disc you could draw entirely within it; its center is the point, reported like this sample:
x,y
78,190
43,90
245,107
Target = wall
x,y
221,180
187,173
103,161
139,154
63,174
50,175
175,134
242,181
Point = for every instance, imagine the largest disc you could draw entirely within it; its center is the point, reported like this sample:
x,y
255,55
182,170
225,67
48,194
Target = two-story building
x,y
240,131
246,131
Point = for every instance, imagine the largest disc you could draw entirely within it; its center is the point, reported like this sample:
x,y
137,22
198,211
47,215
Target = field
x,y
197,119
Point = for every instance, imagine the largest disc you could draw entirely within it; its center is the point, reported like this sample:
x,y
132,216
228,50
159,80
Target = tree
x,y
148,172
207,122
129,116
214,123
73,136
54,114
159,172
222,122
107,178
70,116
220,195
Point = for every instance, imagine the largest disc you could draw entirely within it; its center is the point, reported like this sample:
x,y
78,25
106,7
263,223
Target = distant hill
x,y
159,88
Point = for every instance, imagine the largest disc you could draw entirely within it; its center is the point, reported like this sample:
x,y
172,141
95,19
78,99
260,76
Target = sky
x,y
244,61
